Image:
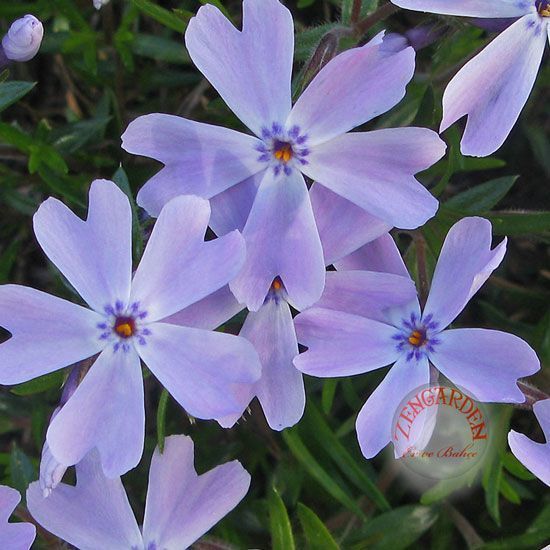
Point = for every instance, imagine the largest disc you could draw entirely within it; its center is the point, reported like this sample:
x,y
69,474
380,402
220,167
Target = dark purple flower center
x,y
123,324
416,336
125,327
543,7
283,148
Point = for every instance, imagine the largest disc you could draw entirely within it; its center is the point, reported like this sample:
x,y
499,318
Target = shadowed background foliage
x,y
61,117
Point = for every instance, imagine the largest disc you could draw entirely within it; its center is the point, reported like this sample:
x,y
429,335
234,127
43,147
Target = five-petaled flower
x,y
493,87
251,69
204,371
180,507
351,331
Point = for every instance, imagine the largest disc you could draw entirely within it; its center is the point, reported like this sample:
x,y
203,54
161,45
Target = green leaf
x,y
329,391
302,454
21,470
13,91
519,223
395,530
40,384
482,198
281,530
160,48
316,534
536,535
342,458
173,20
161,419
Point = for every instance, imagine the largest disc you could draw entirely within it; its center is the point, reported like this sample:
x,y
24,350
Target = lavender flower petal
x,y
200,159
178,268
487,363
106,411
95,255
469,8
280,390
343,226
13,536
374,422
375,170
353,88
342,344
466,261
493,87
48,333
380,255
281,240
366,293
534,456
182,506
251,70
93,514
203,370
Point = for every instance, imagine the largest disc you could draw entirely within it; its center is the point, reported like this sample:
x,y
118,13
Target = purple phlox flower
x,y
344,337
493,87
181,506
251,70
52,471
534,456
15,536
23,39
343,228
203,370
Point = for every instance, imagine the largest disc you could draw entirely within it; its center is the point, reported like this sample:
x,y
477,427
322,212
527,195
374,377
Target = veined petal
x,y
231,209
200,159
493,87
13,536
178,268
181,505
366,293
487,363
342,344
281,241
380,255
203,370
534,456
93,514
343,226
351,89
375,170
95,255
107,412
469,8
466,261
375,420
280,390
208,313
251,70
48,333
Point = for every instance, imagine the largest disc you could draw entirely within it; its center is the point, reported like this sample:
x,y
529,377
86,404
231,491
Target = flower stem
x,y
361,27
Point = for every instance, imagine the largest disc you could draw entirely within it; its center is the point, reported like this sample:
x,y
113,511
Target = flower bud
x,y
23,39
98,4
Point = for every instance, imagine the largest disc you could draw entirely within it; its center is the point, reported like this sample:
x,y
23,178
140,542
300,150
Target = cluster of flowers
x,y
275,237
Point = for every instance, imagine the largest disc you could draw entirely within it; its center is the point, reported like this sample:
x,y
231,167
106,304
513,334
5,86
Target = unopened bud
x,y
23,39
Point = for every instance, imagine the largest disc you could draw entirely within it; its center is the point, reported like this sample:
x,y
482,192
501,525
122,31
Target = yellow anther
x,y
124,330
416,338
284,152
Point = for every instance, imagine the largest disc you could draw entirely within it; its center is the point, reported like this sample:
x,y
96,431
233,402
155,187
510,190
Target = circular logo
x,y
440,432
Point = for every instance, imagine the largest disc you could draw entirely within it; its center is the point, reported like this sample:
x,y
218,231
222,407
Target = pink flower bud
x,y
23,39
